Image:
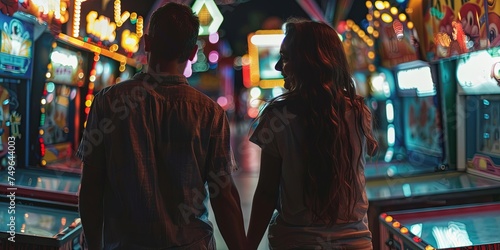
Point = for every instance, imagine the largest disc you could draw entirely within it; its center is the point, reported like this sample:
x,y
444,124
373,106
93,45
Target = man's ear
x,y
147,43
193,52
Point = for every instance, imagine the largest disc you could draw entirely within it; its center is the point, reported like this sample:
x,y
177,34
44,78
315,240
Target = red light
x,y
398,29
417,239
87,110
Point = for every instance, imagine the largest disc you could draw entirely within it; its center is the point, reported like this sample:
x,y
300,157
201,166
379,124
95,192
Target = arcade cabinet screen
x,y
449,229
422,122
128,73
106,72
59,102
37,221
60,105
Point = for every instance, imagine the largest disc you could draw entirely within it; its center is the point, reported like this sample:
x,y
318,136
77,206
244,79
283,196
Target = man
x,y
152,146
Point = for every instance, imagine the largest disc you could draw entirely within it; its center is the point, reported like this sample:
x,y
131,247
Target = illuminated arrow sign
x,y
210,16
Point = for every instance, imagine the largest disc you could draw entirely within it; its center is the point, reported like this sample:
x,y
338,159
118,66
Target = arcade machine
x,y
23,225
477,125
450,227
61,122
424,178
478,111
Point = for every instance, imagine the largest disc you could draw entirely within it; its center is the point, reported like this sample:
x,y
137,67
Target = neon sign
x,y
101,27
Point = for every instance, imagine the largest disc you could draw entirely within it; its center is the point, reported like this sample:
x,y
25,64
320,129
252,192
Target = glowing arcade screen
x,y
421,116
128,73
452,227
59,119
66,67
479,72
38,221
106,73
16,47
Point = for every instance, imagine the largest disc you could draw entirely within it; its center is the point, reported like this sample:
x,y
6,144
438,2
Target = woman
x,y
314,139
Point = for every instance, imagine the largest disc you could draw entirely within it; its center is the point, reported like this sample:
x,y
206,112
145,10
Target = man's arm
x,y
91,205
226,204
265,198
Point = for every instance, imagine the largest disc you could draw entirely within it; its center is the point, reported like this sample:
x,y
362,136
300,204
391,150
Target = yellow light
x,y
349,23
88,103
369,29
369,17
41,132
76,18
361,33
429,247
388,218
113,47
394,11
369,43
386,18
375,34
43,162
355,28
369,4
371,68
404,230
379,5
371,55
402,17
410,25
376,14
409,10
396,224
387,5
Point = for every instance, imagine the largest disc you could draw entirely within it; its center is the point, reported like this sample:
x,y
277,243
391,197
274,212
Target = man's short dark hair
x,y
173,30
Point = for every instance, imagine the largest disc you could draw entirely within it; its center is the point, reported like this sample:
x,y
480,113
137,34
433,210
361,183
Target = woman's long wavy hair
x,y
321,82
